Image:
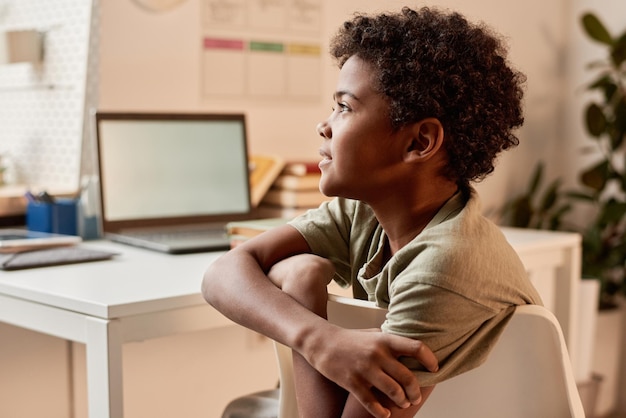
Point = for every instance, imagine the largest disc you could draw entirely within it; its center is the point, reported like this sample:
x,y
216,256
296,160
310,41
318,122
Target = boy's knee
x,y
303,271
313,269
317,266
306,280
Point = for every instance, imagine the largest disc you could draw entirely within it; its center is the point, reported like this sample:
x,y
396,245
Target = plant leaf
x,y
535,180
554,222
596,121
622,178
596,177
550,196
620,115
595,29
605,83
522,212
613,211
618,52
609,88
581,196
601,82
592,244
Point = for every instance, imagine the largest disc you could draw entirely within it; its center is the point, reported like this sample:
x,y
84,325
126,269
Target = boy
x,y
424,103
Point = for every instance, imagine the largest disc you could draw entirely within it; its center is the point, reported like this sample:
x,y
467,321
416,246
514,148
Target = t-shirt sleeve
x,y
459,331
327,231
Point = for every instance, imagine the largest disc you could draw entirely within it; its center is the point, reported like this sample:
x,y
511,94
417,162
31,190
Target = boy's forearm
x,y
236,286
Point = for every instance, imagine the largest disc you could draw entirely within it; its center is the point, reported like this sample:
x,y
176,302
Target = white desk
x,y
143,294
553,262
139,295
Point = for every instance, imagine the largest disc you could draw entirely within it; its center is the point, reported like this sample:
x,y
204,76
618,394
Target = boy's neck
x,y
405,218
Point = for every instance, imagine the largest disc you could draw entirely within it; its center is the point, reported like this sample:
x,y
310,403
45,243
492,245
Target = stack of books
x,y
264,169
241,231
295,190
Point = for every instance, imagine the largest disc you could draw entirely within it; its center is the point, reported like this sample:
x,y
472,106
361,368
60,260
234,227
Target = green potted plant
x,y
538,207
603,188
604,182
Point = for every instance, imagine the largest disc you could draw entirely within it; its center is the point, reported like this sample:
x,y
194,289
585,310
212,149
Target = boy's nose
x,y
323,129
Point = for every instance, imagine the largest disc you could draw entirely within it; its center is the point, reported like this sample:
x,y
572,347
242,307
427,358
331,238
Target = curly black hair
x,y
436,64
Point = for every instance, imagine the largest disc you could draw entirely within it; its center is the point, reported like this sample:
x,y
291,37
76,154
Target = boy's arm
x,y
237,285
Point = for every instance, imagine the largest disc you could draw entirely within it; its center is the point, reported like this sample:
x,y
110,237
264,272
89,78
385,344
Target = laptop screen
x,y
171,168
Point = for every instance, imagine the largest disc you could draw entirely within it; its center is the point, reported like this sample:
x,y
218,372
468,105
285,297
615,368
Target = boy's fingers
x,y
391,386
402,386
417,350
404,378
370,403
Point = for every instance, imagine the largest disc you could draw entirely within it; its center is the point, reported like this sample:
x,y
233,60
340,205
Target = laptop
x,y
171,182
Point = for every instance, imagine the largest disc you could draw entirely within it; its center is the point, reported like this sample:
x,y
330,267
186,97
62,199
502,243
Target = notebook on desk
x,y
171,182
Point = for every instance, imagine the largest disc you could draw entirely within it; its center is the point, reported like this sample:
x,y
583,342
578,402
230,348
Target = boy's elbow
x,y
209,284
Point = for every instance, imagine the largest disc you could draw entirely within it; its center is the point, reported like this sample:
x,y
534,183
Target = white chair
x,y
528,374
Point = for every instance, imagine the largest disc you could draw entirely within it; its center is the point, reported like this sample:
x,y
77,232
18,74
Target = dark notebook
x,y
52,257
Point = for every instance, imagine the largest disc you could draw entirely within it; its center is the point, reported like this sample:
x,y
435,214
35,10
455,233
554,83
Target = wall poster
x,y
262,48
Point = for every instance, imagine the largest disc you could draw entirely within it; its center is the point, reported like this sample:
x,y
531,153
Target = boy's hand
x,y
360,360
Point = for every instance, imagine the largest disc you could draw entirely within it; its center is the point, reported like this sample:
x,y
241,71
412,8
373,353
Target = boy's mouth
x,y
325,155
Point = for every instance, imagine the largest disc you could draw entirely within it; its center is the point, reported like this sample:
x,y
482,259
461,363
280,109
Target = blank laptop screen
x,y
155,166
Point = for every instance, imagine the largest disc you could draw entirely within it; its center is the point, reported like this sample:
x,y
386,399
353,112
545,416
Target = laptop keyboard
x,y
178,235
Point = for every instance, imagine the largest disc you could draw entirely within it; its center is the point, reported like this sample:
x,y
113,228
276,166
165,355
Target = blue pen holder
x,y
59,217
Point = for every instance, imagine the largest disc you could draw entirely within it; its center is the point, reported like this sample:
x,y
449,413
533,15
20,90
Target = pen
x,y
44,197
30,196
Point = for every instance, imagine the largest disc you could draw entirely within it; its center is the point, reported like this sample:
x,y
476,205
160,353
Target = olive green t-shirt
x,y
454,286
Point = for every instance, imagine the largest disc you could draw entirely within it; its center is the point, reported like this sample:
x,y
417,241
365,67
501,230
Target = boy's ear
x,y
426,139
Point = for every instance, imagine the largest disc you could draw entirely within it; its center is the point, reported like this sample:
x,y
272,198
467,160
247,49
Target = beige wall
x,y
152,62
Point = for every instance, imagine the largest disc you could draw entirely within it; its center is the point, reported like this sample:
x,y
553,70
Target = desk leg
x,y
104,368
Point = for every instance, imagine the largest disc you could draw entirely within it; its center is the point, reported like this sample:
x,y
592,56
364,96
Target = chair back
x,y
528,374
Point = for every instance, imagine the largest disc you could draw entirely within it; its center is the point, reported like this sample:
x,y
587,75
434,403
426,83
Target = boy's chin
x,y
327,191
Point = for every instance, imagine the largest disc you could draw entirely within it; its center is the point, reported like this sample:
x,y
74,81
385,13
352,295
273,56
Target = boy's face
x,y
359,151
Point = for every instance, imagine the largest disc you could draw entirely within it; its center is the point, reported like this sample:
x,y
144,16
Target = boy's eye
x,y
342,107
